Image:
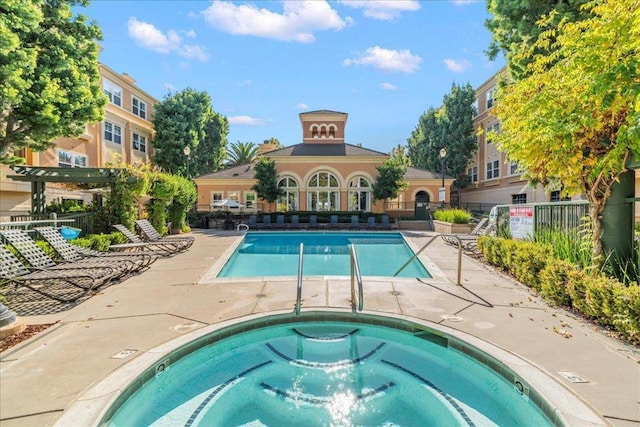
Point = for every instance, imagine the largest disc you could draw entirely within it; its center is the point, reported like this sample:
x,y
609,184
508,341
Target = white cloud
x,y
383,10
302,106
457,66
149,37
298,21
463,2
245,83
388,86
245,120
387,60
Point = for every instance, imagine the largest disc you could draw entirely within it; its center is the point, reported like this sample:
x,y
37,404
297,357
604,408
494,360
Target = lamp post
x,y
186,152
443,154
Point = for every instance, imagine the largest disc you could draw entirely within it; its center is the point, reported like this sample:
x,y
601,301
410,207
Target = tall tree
x,y
274,141
241,153
49,76
266,186
449,127
578,121
391,179
515,28
186,119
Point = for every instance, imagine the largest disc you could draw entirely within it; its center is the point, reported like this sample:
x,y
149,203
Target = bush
x,y
606,300
453,216
100,242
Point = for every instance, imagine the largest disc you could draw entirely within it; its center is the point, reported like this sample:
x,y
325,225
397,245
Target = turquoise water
x,y
327,374
325,254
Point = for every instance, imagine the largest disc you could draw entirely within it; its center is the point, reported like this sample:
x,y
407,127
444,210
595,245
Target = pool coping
x,y
560,404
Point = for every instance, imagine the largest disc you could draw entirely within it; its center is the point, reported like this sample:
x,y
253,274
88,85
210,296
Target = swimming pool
x,y
327,373
325,254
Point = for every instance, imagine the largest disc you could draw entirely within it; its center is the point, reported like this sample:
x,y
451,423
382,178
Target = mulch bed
x,y
16,339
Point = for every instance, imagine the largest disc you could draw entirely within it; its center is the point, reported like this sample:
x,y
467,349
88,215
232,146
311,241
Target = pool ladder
x,y
427,244
356,278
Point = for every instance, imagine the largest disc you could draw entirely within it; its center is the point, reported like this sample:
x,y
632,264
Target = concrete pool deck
x,y
41,378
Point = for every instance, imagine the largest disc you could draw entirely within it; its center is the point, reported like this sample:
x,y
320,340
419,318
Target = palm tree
x,y
241,153
275,142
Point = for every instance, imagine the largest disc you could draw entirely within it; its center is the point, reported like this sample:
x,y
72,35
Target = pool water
x,y
326,374
325,254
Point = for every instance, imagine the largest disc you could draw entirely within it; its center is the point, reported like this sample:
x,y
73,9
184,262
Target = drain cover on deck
x,y
123,354
571,377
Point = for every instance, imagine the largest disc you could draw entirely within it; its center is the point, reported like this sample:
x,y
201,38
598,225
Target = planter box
x,y
449,228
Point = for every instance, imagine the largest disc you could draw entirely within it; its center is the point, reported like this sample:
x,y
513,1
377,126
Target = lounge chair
x,y
161,248
61,285
137,260
371,223
333,223
253,221
469,241
39,260
295,222
280,222
355,223
266,222
384,223
313,222
151,234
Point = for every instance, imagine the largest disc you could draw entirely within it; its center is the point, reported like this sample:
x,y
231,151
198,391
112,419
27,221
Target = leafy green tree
x,y
275,141
391,179
449,127
241,153
49,76
266,186
515,28
399,153
577,122
186,119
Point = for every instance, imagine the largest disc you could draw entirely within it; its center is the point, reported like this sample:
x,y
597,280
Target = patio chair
x,y
295,222
266,222
469,241
313,222
137,261
371,223
355,223
333,223
38,259
164,249
61,285
384,223
253,221
280,222
150,234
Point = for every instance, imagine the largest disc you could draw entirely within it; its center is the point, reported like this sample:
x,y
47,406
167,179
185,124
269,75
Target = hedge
x,y
602,299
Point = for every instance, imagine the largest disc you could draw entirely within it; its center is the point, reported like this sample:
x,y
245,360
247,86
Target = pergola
x,y
39,176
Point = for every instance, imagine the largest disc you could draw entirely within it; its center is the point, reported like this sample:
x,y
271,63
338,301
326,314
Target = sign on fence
x,y
521,221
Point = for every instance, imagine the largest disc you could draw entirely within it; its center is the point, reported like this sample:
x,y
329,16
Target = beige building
x,y
322,173
126,133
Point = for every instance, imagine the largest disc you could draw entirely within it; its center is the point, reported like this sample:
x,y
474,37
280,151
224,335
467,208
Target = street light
x,y
443,154
186,152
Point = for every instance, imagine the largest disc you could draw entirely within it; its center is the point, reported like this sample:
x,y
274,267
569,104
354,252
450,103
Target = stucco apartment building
x,y
125,133
322,173
495,180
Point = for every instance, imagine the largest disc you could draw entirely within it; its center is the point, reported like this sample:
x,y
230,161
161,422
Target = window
x,y
289,200
233,195
216,196
493,169
473,173
490,97
139,108
556,196
113,92
359,194
494,128
323,192
139,143
250,200
69,159
112,133
518,199
513,168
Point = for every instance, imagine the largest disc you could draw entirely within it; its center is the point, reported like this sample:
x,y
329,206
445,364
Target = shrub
x,y
553,282
454,216
100,242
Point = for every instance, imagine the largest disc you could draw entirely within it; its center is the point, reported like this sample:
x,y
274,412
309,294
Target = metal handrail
x,y
299,295
454,236
356,276
244,227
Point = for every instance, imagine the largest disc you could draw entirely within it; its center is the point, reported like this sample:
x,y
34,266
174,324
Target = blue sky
x,y
263,62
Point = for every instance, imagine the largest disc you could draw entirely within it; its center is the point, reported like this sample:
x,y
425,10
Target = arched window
x,y
289,200
323,192
359,194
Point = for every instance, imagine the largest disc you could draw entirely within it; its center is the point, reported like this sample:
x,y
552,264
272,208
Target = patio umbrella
x,y
226,203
